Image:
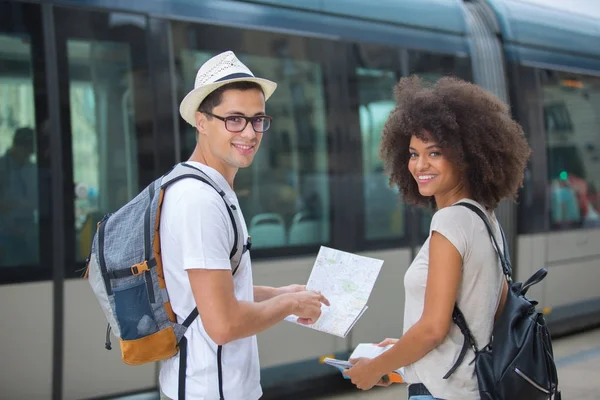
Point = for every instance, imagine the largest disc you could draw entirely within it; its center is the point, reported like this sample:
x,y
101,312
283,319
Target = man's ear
x,y
200,123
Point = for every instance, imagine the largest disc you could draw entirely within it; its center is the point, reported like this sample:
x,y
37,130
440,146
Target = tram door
x,y
106,111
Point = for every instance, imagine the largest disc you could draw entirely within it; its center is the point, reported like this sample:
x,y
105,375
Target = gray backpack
x,y
126,274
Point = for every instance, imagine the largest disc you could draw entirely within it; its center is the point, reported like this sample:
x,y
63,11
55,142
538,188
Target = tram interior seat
x,y
304,230
267,230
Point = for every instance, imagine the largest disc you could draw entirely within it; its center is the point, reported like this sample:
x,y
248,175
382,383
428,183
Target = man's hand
x,y
291,289
308,307
262,293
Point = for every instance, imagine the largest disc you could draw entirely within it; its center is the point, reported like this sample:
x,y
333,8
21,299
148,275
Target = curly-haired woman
x,y
449,143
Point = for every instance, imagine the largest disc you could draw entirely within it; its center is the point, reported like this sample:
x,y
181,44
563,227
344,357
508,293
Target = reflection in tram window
x,y
384,212
103,135
19,212
572,123
284,194
431,66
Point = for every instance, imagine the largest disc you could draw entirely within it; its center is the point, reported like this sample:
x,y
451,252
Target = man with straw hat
x,y
227,108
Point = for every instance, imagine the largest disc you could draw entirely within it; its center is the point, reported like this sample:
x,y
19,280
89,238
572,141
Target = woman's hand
x,y
387,342
363,375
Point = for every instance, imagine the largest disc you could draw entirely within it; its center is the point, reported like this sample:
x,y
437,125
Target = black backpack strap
x,y
506,256
506,267
457,316
535,278
183,355
459,319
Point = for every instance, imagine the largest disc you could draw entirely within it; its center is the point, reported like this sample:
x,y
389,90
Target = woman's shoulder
x,y
456,215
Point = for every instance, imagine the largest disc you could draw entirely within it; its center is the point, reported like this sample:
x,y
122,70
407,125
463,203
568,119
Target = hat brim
x,y
190,103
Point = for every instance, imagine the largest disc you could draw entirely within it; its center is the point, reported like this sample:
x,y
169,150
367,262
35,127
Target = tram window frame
x,y
192,38
98,28
527,108
29,24
364,60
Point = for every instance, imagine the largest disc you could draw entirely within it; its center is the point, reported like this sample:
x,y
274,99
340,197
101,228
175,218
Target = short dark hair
x,y
214,98
24,136
476,126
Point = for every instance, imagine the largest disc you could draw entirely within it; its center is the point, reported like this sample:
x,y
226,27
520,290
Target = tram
x,y
89,96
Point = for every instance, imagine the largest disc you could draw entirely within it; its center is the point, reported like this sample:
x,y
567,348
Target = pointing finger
x,y
322,298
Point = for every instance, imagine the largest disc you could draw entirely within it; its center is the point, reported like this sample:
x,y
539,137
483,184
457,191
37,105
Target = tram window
x,y
571,105
431,67
103,135
284,194
19,211
110,113
384,211
25,159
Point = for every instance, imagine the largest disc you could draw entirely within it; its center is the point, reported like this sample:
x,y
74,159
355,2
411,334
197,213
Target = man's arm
x,y
226,319
195,216
5,200
262,293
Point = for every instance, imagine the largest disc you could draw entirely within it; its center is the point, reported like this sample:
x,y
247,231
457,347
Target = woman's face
x,y
434,173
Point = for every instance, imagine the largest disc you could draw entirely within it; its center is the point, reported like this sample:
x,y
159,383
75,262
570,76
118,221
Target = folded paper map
x,y
366,350
346,280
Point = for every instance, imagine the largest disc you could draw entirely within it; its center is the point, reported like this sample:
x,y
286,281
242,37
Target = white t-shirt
x,y
478,297
196,232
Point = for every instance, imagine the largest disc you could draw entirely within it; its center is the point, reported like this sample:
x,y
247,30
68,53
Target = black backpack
x,y
518,363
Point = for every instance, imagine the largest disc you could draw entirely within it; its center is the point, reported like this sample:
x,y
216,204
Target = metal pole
x,y
58,212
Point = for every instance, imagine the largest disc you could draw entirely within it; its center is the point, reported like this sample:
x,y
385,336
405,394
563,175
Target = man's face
x,y
232,150
23,151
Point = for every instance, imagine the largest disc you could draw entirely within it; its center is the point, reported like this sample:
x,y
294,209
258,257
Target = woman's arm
x,y
443,280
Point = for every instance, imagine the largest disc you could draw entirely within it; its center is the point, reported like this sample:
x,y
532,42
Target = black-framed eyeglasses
x,y
237,123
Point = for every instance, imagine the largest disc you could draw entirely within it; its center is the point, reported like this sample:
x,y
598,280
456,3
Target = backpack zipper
x,y
530,381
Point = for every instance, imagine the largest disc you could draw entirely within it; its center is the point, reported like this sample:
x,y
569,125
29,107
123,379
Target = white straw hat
x,y
220,70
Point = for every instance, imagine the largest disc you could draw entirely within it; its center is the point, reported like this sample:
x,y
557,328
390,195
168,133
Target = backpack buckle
x,y
139,268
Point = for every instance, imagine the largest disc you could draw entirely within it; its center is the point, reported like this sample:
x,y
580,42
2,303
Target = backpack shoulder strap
x,y
457,316
469,340
506,267
506,255
184,170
